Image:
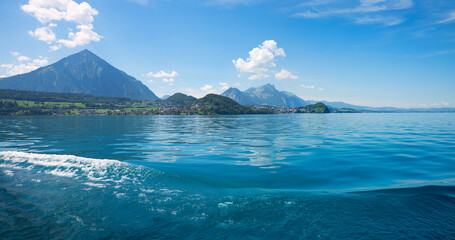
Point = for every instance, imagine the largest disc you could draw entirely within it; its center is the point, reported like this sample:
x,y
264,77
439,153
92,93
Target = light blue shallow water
x,y
308,176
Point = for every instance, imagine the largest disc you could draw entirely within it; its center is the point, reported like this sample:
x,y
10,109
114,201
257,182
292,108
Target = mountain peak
x,y
268,87
264,95
82,72
85,54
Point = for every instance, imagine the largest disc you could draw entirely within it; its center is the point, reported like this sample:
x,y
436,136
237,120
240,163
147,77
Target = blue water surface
x,y
295,176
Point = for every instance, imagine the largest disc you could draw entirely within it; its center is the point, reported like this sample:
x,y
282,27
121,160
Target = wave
x,y
421,190
70,166
63,196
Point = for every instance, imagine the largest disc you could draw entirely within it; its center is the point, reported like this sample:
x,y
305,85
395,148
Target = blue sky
x,y
368,52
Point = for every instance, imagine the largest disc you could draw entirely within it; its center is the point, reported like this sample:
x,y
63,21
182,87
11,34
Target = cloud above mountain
x,y
47,12
163,74
285,74
260,61
166,77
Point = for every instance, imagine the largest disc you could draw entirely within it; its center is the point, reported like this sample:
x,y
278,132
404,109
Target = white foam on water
x,y
8,172
148,190
98,185
123,180
224,204
68,166
61,173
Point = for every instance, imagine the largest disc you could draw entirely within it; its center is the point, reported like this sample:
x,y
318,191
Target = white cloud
x,y
449,18
444,103
23,58
365,12
163,74
83,37
44,34
21,67
207,88
168,80
55,47
309,87
320,89
47,11
6,65
224,86
261,59
285,74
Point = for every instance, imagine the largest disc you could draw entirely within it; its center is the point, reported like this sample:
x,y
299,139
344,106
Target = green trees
x,y
216,104
314,108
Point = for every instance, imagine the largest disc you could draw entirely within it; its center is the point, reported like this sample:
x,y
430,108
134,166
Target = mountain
x,y
83,72
314,108
265,95
216,104
180,99
342,105
165,97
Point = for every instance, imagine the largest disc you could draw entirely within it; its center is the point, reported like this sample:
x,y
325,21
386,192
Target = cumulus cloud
x,y
23,58
285,74
207,89
166,77
224,86
363,12
168,80
23,64
163,74
44,34
47,11
261,59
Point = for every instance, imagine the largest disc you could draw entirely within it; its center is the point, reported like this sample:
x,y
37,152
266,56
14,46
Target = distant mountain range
x,y
266,95
83,72
86,73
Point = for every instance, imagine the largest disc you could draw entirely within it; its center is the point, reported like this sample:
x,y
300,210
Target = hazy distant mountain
x,y
265,95
341,105
83,72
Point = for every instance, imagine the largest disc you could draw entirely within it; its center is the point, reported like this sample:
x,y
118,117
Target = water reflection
x,y
300,149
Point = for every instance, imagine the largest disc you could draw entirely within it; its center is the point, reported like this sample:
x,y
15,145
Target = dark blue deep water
x,y
301,176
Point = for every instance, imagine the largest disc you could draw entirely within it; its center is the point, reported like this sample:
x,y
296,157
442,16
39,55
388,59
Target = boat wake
x,y
64,196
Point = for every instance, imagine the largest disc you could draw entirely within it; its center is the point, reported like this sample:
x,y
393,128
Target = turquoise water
x,y
305,176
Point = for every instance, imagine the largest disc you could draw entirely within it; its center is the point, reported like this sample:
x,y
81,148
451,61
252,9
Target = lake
x,y
293,176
